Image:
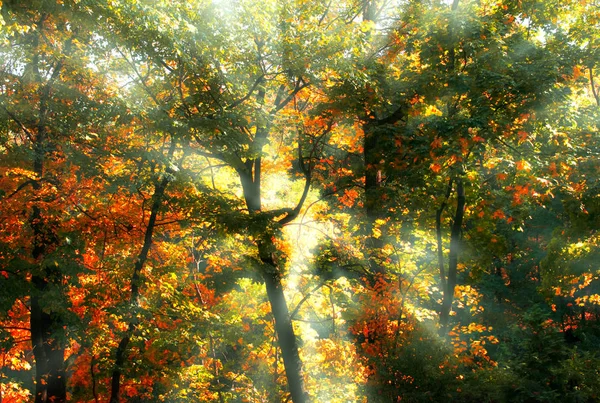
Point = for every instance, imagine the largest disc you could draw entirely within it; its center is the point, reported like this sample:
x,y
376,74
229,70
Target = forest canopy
x,y
299,201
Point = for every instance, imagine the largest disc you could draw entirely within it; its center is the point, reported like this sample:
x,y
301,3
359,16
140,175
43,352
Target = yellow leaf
x,y
432,110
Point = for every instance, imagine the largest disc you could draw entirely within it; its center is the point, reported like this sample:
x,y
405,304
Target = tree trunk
x,y
46,327
39,355
120,356
373,199
455,233
375,208
455,241
438,233
272,276
115,383
373,191
286,337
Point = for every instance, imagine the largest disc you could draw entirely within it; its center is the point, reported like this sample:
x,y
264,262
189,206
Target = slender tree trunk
x,y
373,175
46,327
115,383
455,232
45,337
373,199
438,233
286,337
120,356
283,325
455,241
272,276
93,376
373,154
39,355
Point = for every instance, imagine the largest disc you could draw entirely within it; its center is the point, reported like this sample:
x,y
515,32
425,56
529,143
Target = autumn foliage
x,y
295,201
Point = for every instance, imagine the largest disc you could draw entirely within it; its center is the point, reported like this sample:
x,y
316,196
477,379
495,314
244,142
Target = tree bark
x,y
272,276
286,337
455,246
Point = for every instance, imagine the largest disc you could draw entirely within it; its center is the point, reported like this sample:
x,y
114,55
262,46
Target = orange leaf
x,y
498,214
436,143
522,135
435,168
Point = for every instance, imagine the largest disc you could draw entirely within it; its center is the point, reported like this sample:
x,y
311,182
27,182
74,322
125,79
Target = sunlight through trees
x,y
299,201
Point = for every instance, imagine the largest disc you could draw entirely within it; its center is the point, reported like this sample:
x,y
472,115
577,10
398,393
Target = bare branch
x,y
18,122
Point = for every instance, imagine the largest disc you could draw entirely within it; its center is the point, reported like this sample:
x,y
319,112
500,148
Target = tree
x,y
48,107
230,105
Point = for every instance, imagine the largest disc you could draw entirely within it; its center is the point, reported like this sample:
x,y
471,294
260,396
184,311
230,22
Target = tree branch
x,y
248,95
18,122
300,84
305,298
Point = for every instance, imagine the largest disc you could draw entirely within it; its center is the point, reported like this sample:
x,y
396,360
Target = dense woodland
x,y
299,201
